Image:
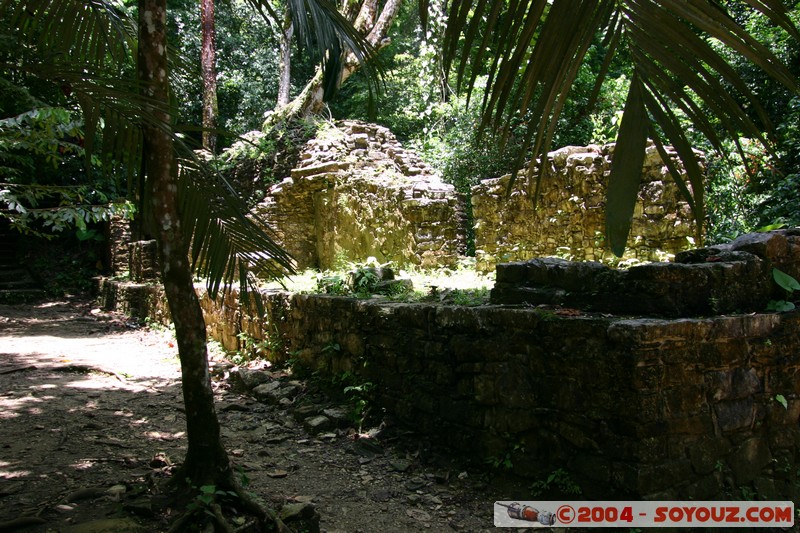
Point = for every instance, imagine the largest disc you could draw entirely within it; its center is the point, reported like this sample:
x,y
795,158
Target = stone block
x,y
733,384
781,248
681,402
648,377
735,414
708,453
664,476
245,379
706,488
749,459
143,261
275,391
732,282
317,424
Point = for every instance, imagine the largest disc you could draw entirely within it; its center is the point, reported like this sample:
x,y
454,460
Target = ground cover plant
x,y
462,285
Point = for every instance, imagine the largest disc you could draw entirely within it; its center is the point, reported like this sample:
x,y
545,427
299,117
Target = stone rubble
x,y
357,193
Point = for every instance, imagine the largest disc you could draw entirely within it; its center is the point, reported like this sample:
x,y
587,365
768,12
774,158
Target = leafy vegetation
x,y
558,481
45,186
788,284
460,286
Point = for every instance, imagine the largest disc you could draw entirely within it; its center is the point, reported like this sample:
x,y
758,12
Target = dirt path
x,y
91,414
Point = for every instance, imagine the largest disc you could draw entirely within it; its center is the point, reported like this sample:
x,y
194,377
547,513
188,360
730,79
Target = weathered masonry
x,y
698,406
650,408
569,218
358,193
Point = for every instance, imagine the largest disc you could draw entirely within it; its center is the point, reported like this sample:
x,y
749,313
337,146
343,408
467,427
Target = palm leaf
x,y
626,168
225,244
326,34
533,67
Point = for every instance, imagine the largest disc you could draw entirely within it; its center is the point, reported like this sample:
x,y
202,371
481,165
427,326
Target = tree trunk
x,y
206,461
310,100
285,79
209,73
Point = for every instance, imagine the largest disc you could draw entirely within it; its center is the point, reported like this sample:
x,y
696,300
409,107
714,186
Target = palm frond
x,y
227,245
626,168
674,48
326,34
91,55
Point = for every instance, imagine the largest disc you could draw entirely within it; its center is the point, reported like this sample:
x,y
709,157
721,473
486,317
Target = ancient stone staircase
x,y
16,282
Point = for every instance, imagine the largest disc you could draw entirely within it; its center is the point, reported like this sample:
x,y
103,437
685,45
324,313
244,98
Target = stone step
x,y
14,274
22,283
17,284
15,296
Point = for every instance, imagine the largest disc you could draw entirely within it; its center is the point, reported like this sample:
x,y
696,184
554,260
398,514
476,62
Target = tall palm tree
x,y
86,46
531,51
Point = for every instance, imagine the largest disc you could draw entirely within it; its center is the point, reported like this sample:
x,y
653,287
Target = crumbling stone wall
x,y
657,408
644,408
727,278
569,220
119,237
357,193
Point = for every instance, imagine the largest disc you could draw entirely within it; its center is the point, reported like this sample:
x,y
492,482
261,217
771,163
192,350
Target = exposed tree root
x,y
240,500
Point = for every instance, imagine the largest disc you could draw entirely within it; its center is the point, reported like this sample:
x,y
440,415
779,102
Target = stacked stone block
x,y
357,193
641,407
568,219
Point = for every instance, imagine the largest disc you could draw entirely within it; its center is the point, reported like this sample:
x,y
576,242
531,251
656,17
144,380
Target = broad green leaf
x,y
770,227
785,281
780,306
781,399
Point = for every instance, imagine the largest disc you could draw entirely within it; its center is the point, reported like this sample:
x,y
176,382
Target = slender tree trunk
x,y
285,79
310,100
206,460
207,60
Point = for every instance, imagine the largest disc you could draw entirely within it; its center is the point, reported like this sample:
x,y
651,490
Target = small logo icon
x,y
528,513
565,514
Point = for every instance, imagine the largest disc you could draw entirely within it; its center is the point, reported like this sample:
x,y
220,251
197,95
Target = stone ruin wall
x,y
682,408
569,220
645,407
357,193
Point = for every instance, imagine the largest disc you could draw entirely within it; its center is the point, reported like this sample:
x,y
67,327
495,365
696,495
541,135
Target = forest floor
x,y
91,416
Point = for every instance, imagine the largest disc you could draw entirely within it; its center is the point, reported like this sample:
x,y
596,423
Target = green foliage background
x,y
42,145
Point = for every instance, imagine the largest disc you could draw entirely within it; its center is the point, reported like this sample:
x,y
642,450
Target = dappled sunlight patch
x,y
44,386
14,406
164,435
101,382
84,464
426,283
7,471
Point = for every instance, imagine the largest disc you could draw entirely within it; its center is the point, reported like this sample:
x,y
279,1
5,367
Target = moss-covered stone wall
x,y
357,193
631,407
568,218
